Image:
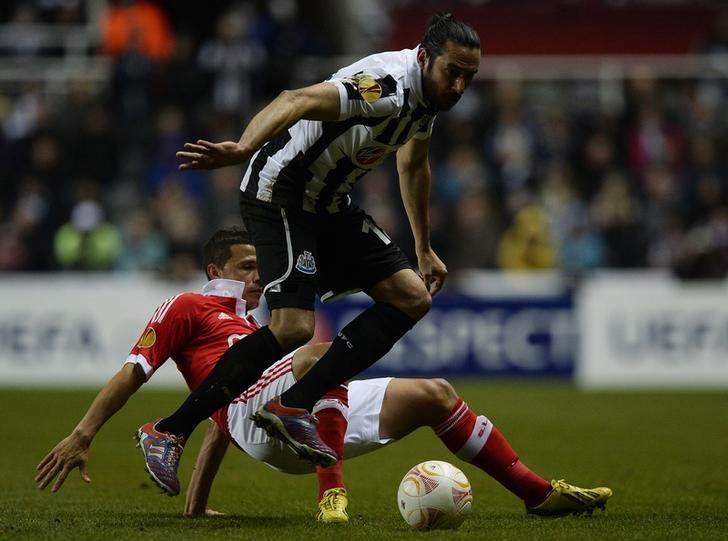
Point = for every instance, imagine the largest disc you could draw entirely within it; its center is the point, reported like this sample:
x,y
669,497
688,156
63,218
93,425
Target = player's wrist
x,y
423,250
82,437
242,151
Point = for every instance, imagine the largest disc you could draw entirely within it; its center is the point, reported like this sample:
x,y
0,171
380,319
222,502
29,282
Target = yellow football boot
x,y
566,499
332,507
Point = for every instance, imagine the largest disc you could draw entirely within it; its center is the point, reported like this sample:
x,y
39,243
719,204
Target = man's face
x,y
243,267
445,78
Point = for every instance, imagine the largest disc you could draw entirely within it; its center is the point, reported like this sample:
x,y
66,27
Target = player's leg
x,y
332,414
405,291
357,255
411,403
331,411
290,292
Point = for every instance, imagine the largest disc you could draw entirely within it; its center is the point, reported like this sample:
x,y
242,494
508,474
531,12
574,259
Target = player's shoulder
x,y
176,304
185,298
388,63
382,75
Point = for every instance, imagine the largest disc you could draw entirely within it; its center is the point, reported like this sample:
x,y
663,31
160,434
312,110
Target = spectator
x,y
527,244
654,140
138,26
87,241
474,233
24,239
617,213
597,158
511,145
221,206
179,216
26,113
232,57
161,162
662,217
89,133
463,172
578,243
179,82
144,246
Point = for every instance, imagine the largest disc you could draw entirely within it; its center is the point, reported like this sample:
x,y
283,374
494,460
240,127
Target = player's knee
x,y
436,399
422,304
416,303
442,394
306,357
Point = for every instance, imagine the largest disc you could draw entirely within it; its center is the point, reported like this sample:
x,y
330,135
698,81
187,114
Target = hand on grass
x,y
71,452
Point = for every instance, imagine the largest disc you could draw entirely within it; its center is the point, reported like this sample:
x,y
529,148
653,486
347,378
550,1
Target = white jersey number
x,y
369,225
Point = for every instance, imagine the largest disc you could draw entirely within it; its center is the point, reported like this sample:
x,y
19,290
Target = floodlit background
x,y
580,197
580,203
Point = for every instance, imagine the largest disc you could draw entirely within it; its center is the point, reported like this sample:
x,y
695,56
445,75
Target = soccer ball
x,y
434,495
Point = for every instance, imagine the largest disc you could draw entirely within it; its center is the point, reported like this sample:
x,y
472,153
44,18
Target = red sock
x,y
332,411
474,439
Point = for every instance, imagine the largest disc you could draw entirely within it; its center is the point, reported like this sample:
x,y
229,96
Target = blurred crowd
x,y
529,175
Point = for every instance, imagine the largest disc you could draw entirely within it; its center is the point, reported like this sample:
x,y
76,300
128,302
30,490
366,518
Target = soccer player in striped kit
x,y
307,148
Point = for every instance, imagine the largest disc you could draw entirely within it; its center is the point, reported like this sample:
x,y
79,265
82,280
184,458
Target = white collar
x,y
222,287
414,74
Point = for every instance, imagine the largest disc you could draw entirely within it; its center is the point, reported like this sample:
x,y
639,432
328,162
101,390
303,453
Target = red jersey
x,y
194,330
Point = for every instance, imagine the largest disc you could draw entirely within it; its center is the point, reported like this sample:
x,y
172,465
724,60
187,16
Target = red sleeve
x,y
167,332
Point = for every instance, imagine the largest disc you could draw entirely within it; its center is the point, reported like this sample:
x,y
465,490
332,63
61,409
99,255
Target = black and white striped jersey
x,y
314,165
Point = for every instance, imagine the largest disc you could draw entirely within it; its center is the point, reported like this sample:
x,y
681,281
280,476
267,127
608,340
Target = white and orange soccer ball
x,y
434,495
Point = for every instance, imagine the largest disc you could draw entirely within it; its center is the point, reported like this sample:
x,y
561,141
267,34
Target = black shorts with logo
x,y
301,254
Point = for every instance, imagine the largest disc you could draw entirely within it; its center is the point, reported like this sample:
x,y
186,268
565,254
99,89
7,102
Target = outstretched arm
x,y
317,102
415,181
208,462
72,451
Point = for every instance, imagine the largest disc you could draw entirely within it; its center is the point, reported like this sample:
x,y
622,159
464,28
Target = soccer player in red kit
x,y
193,329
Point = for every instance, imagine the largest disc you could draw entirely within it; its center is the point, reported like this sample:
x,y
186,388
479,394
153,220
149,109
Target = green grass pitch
x,y
663,453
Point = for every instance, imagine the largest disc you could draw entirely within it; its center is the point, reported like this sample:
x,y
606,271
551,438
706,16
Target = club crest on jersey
x,y
370,155
306,263
148,338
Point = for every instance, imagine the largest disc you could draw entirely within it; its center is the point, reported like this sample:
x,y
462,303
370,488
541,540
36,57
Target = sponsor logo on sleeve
x,y
369,89
148,338
364,86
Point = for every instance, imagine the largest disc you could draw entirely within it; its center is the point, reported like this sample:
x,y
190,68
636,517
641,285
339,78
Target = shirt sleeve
x,y
366,95
167,332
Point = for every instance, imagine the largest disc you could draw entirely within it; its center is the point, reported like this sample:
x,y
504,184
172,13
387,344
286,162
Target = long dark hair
x,y
443,27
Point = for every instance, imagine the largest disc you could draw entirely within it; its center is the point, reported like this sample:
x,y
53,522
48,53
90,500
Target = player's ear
x,y
422,57
212,271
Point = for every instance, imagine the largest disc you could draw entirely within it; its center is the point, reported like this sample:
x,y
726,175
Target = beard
x,y
432,98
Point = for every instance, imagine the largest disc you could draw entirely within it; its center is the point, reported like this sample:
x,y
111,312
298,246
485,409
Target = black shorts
x,y
301,254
